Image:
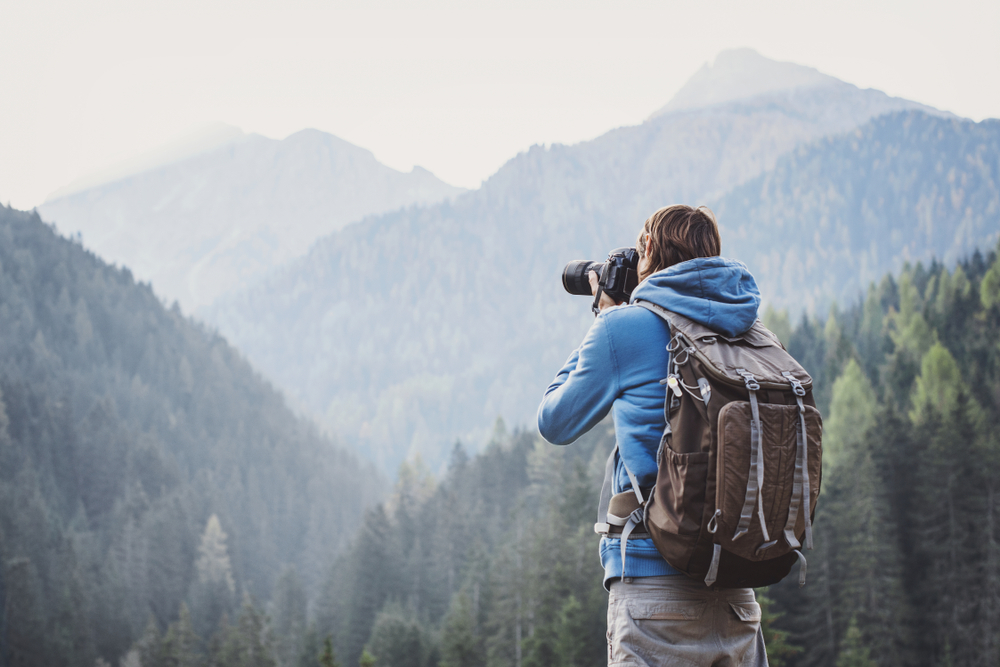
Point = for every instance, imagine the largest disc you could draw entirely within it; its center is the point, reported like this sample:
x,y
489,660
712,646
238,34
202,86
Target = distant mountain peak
x,y
199,140
740,74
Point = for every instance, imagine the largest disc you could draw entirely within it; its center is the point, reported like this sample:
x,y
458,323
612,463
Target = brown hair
x,y
676,234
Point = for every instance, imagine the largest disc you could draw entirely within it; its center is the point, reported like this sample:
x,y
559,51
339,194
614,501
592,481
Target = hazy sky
x,y
456,87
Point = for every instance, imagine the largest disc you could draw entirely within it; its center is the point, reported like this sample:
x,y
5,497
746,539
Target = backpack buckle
x,y
748,379
797,388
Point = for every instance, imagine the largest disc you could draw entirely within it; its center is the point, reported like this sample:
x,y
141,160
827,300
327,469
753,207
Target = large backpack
x,y
739,463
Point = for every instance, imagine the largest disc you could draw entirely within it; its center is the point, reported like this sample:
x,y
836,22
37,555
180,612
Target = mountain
x,y
834,216
421,326
742,74
217,220
143,463
200,140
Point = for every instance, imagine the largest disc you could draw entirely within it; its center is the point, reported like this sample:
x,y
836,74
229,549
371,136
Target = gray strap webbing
x,y
606,491
756,478
805,475
800,485
713,569
601,526
634,519
635,484
796,499
652,307
802,568
755,411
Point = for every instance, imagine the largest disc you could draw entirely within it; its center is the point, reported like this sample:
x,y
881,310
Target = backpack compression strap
x,y
755,481
605,519
800,484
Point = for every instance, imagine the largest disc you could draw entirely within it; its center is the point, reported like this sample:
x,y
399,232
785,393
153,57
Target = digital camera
x,y
616,277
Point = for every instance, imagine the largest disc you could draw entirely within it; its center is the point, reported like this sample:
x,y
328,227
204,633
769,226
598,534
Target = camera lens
x,y
575,279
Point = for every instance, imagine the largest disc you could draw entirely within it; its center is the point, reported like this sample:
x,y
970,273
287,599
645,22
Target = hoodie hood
x,y
716,292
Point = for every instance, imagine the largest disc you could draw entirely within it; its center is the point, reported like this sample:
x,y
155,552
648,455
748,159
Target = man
x,y
656,615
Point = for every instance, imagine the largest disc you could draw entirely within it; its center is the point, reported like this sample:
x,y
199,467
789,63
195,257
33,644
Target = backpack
x,y
739,463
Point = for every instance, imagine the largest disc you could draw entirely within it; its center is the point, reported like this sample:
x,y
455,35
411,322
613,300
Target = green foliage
x,y
366,659
143,463
326,658
249,642
397,638
851,415
493,565
779,324
938,385
989,288
779,649
853,652
905,569
461,645
180,645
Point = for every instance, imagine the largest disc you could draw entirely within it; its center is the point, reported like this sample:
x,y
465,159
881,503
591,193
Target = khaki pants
x,y
654,621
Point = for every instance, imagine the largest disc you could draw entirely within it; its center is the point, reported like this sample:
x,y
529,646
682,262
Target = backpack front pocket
x,y
777,457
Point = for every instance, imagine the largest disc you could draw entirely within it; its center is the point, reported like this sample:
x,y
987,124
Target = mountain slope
x,y
204,225
123,428
834,216
423,325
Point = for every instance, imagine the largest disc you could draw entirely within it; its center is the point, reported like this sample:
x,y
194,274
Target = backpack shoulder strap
x,y
653,308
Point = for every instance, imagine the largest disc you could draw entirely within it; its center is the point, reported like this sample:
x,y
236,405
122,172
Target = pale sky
x,y
458,87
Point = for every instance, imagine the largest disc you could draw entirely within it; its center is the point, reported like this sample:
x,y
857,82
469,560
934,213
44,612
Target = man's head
x,y
676,234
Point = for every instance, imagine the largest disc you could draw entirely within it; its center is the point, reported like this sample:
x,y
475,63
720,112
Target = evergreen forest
x,y
144,465
161,506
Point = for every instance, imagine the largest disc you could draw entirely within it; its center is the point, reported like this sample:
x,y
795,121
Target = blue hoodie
x,y
618,367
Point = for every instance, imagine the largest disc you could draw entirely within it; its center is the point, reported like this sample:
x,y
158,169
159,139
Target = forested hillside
x,y
906,567
424,325
143,463
496,564
833,216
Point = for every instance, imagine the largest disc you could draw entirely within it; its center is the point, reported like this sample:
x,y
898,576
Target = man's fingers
x,y
592,277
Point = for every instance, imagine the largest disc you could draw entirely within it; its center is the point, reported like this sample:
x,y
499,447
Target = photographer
x,y
656,615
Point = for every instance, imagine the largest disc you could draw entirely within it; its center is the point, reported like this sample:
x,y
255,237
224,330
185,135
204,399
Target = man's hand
x,y
606,301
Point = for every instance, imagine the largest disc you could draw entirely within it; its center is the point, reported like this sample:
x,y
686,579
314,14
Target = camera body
x,y
617,276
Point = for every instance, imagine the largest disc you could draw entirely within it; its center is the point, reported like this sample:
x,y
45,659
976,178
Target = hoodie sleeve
x,y
584,390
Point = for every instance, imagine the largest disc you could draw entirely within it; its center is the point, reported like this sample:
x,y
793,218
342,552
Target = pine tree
x,y
288,614
326,658
853,652
212,589
775,640
460,645
150,646
248,643
180,644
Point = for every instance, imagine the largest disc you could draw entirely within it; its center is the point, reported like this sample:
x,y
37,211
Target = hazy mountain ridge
x,y
200,140
204,225
123,427
834,216
420,326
